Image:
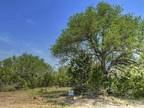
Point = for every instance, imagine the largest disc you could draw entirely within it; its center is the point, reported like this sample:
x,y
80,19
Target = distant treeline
x,y
28,71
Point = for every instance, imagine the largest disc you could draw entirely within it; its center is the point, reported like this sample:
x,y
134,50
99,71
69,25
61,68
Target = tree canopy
x,y
24,71
105,32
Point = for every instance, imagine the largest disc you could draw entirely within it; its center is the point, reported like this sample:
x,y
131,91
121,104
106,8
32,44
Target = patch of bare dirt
x,y
108,102
23,99
19,99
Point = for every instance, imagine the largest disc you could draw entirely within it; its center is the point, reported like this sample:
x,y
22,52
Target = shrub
x,y
127,81
79,71
95,79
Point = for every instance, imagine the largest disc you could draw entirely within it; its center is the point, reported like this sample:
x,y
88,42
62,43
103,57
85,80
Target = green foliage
x,y
127,81
47,79
61,77
111,38
79,72
95,78
32,69
24,71
109,35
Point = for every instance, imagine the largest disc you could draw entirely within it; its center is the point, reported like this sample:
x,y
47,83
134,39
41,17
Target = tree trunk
x,y
103,69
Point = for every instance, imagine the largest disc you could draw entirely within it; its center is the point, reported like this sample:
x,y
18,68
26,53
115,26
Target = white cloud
x,y
5,39
5,54
38,51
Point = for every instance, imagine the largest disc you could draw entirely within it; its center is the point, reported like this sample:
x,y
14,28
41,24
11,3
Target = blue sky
x,y
34,25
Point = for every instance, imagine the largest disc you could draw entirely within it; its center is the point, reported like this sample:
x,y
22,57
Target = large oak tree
x,y
105,32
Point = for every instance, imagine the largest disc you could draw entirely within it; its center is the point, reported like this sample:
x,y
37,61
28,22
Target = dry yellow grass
x,y
54,98
25,99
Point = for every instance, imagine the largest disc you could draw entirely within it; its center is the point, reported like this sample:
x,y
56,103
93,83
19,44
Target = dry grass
x,y
27,99
55,97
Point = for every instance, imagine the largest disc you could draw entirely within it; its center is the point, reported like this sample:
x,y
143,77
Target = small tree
x,y
79,71
61,77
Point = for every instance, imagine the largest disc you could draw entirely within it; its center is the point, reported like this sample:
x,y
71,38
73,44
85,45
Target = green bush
x,y
95,78
61,77
127,81
25,71
79,71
